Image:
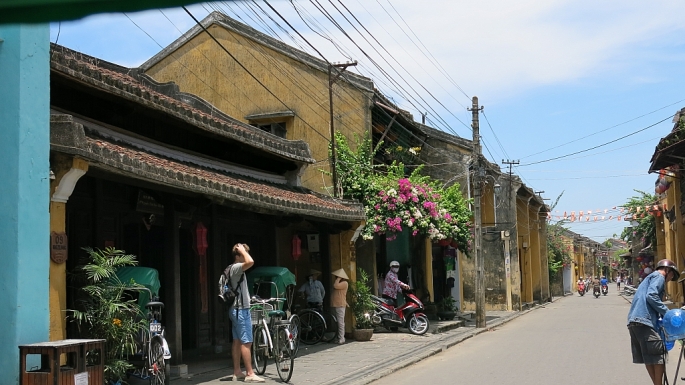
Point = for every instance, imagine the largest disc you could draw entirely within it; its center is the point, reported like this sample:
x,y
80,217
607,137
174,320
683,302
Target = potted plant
x,y
362,307
105,312
448,308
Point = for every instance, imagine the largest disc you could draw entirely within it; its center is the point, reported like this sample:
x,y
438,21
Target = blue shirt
x,y
603,281
647,306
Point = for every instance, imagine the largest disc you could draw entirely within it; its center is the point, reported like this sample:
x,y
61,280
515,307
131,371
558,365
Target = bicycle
x,y
150,364
316,325
272,338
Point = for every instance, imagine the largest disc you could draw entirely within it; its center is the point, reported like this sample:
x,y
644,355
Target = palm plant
x,y
105,311
362,305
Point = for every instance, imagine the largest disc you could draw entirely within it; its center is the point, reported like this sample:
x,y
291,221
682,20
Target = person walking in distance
x,y
239,313
393,284
339,301
647,307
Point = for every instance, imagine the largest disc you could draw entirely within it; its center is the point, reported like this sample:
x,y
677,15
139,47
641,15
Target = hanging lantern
x,y
444,242
297,247
200,241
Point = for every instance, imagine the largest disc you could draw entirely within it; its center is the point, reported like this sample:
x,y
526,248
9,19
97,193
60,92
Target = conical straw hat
x,y
340,273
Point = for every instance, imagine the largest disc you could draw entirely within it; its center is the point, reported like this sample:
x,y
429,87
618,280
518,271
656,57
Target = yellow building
x,y
667,160
276,88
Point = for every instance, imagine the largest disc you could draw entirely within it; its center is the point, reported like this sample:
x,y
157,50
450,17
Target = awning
x,y
68,136
41,11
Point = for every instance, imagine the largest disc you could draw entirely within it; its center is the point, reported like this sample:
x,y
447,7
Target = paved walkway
x,y
353,363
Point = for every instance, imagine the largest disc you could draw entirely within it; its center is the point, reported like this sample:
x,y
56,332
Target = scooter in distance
x,y
596,292
605,289
410,315
581,289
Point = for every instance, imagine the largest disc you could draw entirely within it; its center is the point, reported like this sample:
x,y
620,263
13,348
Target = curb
x,y
371,374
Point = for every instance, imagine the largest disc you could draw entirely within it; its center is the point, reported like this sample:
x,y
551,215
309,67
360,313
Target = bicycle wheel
x,y
284,357
260,347
295,328
331,332
312,327
156,364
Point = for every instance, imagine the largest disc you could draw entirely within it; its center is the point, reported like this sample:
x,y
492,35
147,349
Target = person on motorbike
x,y
393,284
596,287
603,281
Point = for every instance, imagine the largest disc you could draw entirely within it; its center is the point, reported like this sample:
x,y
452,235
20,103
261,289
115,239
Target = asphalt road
x,y
575,340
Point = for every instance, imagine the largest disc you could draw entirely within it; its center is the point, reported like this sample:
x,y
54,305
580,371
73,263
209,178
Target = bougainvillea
x,y
395,202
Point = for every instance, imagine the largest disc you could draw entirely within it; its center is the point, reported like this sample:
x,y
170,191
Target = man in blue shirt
x,y
645,311
603,281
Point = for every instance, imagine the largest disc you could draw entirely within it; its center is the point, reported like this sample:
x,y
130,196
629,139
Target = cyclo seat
x,y
384,300
152,304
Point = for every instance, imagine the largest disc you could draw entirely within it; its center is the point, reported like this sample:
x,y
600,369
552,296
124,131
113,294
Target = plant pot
x,y
362,334
447,315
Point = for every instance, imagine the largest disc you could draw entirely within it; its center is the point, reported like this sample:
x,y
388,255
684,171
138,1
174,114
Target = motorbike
x,y
410,315
596,292
581,289
605,289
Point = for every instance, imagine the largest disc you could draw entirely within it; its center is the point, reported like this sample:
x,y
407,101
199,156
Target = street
x,y
571,341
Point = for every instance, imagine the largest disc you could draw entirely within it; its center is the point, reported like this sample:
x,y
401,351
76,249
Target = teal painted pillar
x,y
24,191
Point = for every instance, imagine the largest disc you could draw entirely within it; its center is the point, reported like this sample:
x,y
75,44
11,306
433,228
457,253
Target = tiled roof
x,y
69,137
142,89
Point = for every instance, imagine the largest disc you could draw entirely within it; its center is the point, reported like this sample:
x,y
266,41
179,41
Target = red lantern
x,y
200,235
454,244
444,242
297,247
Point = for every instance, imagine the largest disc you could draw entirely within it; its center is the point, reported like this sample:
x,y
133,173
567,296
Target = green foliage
x,y
105,312
395,201
645,231
559,251
448,304
362,305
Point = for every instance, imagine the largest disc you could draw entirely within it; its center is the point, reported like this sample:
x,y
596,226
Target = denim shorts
x,y
241,325
646,344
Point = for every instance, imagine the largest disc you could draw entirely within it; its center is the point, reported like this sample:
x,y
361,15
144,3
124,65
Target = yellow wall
x,y
58,272
303,89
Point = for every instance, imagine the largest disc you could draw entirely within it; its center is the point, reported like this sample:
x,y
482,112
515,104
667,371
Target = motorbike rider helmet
x,y
394,264
671,265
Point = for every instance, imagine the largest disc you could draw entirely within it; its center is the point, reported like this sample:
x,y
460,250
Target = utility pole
x,y
505,234
478,227
334,156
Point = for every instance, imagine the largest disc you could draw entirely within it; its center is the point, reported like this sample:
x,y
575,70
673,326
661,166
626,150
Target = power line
x,y
606,129
600,145
250,73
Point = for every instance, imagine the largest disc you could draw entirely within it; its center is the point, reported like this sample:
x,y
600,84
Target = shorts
x,y
646,344
241,325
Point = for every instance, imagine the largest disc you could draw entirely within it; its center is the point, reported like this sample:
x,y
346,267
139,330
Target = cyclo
x,y
153,351
274,334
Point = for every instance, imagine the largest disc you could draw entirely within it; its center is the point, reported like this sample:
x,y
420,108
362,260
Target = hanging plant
x,y
395,202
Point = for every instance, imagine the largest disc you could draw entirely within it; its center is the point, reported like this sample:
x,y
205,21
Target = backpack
x,y
227,294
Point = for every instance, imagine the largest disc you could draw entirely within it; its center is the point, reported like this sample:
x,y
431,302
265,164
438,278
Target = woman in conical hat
x,y
339,301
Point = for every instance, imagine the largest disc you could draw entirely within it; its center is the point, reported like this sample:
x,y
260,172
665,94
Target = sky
x,y
555,78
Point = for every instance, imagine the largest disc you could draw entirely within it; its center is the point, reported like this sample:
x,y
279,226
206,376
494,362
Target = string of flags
x,y
615,213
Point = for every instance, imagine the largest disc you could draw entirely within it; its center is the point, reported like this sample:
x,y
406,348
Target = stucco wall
x,y
201,67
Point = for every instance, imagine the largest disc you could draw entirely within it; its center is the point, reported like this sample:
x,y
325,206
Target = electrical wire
x,y
250,73
599,145
606,129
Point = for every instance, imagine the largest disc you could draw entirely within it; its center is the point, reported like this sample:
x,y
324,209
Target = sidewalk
x,y
355,363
